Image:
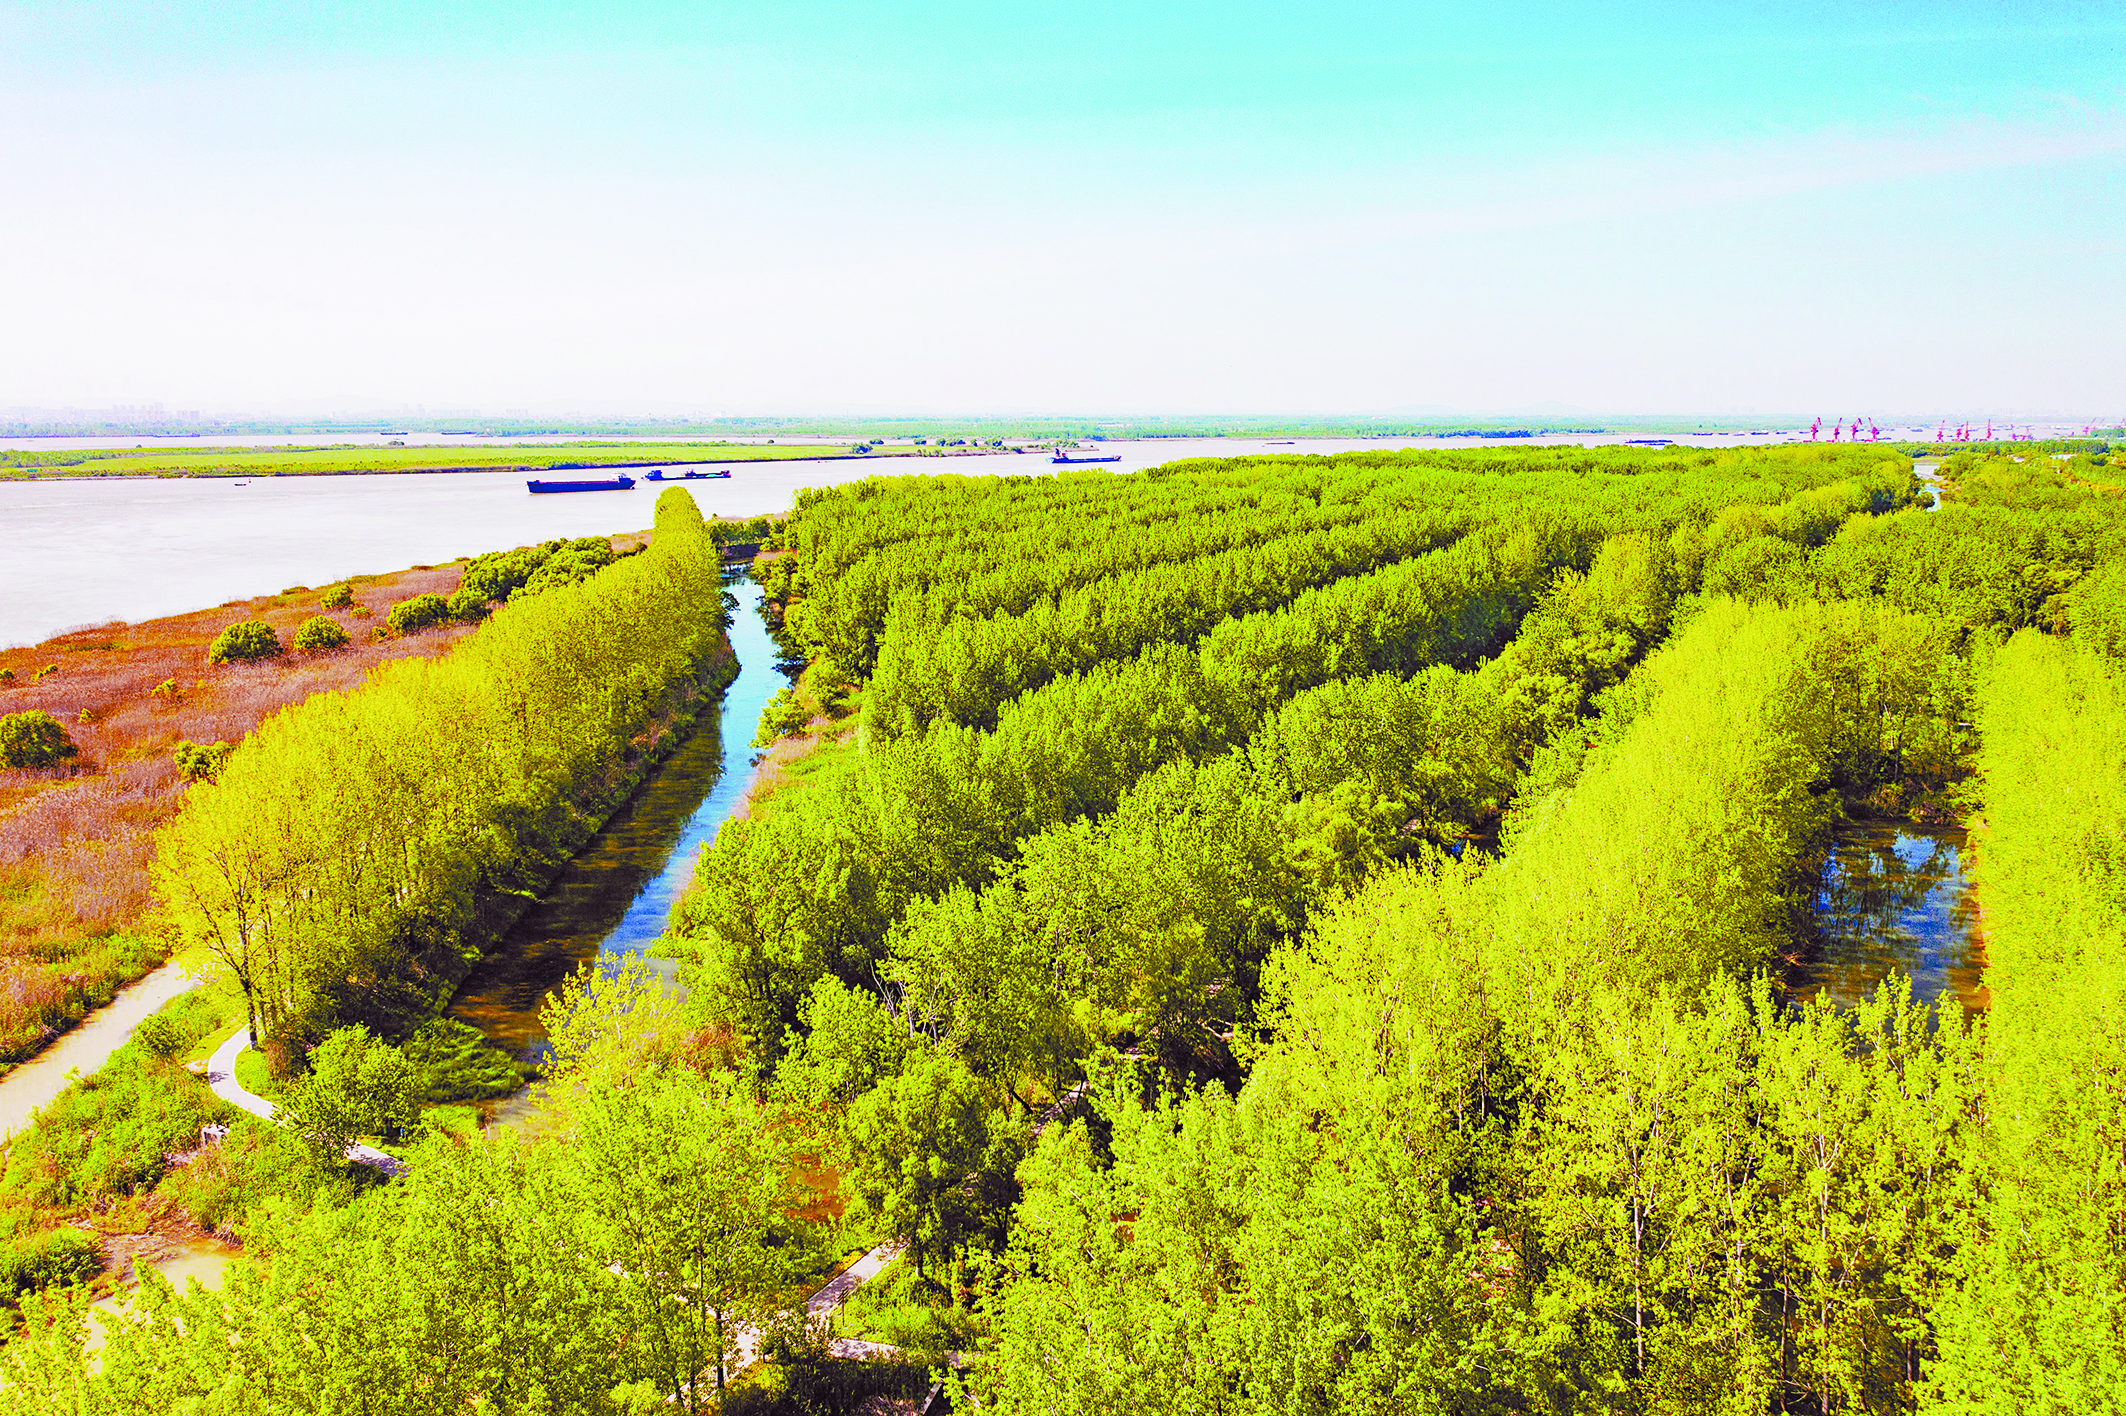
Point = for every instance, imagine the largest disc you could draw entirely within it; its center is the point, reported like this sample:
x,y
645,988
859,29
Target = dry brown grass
x,y
75,841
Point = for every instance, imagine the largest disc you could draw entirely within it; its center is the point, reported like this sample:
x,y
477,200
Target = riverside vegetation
x,y
1280,935
115,721
342,866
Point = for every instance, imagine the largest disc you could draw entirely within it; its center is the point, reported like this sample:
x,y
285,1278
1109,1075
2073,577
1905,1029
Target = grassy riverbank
x,y
75,838
128,1138
19,464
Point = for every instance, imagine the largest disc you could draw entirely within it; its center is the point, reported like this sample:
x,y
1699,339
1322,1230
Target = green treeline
x,y
1522,1135
813,885
2039,1320
963,669
1544,1135
1303,935
623,1265
355,854
940,547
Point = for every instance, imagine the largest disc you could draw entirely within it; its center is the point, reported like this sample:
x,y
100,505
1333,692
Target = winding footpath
x,y
221,1076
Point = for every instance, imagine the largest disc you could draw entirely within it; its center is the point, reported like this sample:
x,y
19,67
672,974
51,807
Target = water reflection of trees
x,y
1880,905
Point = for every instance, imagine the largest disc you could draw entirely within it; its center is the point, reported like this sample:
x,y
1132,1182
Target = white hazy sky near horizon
x,y
932,208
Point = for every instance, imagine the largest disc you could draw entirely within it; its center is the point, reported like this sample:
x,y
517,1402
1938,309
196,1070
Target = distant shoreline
x,y
71,474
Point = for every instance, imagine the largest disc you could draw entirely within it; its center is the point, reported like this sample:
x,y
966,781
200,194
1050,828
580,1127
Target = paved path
x,y
821,1305
837,1291
221,1076
85,1047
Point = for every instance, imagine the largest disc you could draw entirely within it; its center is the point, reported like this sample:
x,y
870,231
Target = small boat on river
x,y
1066,459
616,484
659,476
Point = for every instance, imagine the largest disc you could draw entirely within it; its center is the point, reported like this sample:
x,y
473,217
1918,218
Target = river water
x,y
92,550
1895,896
615,897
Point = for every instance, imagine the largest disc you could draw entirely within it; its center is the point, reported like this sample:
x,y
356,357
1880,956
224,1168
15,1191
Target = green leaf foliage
x,y
453,1061
351,861
34,739
201,761
357,1086
111,1132
243,641
419,613
2037,1320
318,635
617,1275
56,1258
1285,935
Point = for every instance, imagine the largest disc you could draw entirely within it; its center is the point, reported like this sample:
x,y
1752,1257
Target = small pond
x,y
1894,896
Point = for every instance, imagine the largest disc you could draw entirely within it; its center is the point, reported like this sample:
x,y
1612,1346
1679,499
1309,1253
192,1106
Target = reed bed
x,y
76,841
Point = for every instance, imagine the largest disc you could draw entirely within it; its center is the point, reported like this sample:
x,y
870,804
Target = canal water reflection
x,y
615,897
1895,896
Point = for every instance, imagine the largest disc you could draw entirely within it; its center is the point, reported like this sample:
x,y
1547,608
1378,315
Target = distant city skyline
x,y
826,210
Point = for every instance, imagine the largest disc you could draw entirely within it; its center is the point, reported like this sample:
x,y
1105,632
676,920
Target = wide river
x,y
91,550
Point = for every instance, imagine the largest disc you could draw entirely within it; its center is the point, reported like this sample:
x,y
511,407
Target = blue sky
x,y
1101,207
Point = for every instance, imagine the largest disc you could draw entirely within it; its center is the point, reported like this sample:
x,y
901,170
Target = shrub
x,y
337,597
579,560
358,1085
499,574
201,761
34,739
7,675
46,672
468,604
362,612
109,1133
319,634
159,1036
225,1181
787,712
419,613
244,640
60,1257
166,690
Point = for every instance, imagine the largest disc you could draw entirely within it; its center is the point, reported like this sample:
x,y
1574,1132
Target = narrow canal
x,y
1895,896
615,897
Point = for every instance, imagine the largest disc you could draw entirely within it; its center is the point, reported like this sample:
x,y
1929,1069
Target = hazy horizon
x,y
833,210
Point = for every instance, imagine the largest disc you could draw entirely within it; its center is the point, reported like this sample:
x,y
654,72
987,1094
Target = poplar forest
x,y
1287,934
